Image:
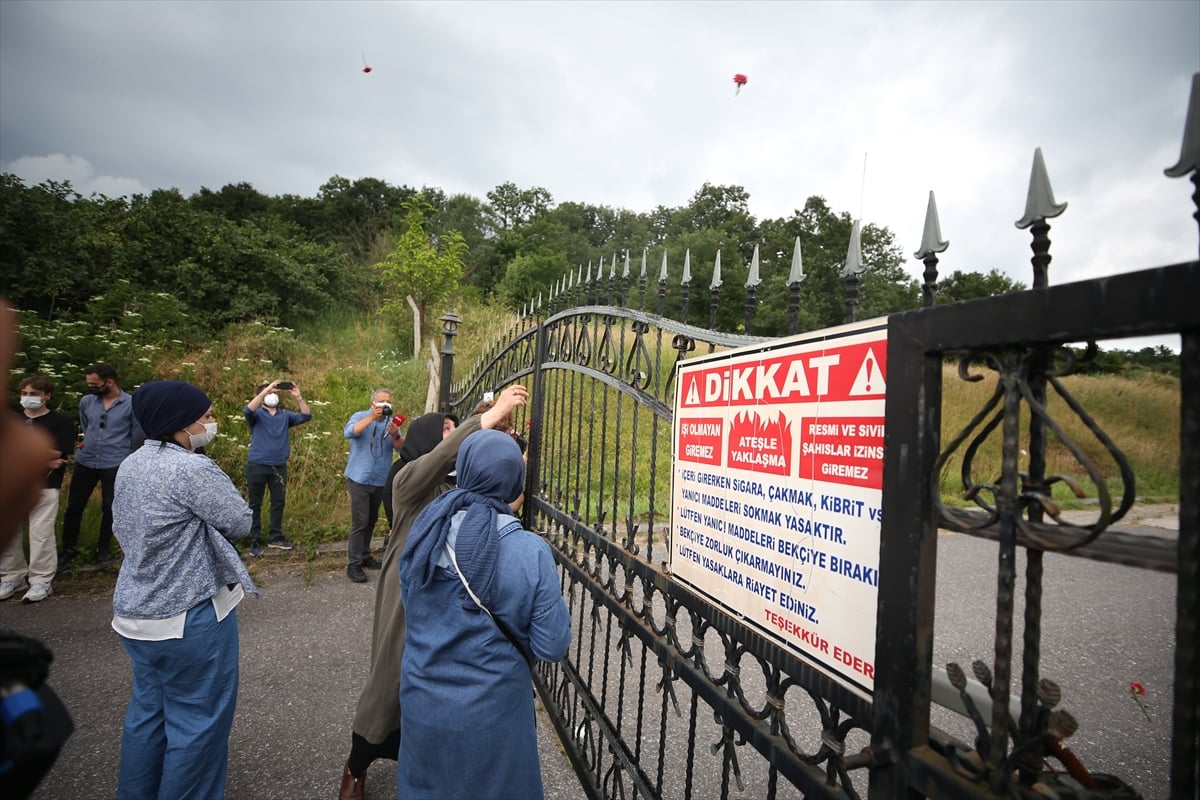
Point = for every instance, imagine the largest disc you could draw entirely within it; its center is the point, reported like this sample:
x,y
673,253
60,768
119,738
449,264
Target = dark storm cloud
x,y
631,105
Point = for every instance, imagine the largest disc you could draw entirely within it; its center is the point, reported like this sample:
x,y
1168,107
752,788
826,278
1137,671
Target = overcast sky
x,y
632,105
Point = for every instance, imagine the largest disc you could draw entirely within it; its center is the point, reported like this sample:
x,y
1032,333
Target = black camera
x,y
285,385
386,409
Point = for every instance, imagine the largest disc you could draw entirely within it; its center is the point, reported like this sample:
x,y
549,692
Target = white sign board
x,y
776,490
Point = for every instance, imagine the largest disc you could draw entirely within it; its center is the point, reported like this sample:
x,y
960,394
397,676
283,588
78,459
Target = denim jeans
x,y
176,737
259,478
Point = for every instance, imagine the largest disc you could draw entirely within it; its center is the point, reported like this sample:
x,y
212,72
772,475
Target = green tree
x,y
57,249
958,286
235,201
469,216
528,275
513,207
422,270
360,214
824,236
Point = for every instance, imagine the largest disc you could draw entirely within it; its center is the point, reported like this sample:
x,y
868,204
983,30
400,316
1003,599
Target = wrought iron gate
x,y
665,694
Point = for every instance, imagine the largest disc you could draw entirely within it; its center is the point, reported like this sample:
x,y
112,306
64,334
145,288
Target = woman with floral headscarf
x,y
482,599
174,606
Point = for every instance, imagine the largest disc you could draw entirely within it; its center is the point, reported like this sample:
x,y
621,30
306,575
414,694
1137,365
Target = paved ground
x,y
304,652
304,655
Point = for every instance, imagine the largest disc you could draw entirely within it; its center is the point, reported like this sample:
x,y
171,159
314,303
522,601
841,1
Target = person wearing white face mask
x,y
266,463
38,573
174,513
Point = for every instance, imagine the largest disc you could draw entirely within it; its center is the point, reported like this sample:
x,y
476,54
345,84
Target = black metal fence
x,y
665,694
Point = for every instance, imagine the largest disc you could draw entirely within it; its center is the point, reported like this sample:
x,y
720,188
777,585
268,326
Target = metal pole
x,y
450,322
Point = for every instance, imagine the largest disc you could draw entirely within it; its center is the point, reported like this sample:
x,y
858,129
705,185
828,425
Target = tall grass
x,y
339,360
1140,414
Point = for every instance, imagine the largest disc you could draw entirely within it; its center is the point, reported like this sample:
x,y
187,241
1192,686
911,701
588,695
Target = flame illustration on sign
x,y
761,444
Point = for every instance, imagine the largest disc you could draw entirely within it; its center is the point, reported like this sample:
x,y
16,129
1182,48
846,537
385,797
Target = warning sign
x,y
847,450
849,372
776,489
700,440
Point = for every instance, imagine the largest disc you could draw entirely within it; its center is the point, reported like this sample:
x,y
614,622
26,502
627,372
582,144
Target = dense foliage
x,y
231,287
132,280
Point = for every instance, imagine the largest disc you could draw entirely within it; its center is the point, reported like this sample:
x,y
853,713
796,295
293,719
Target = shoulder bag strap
x,y
508,634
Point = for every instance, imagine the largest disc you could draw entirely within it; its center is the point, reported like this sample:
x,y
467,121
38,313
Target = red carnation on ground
x,y
1137,691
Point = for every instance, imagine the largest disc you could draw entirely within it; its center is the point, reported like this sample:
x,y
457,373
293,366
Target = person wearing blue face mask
x,y
175,602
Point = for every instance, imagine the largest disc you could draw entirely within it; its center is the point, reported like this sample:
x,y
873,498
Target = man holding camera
x,y
266,463
374,438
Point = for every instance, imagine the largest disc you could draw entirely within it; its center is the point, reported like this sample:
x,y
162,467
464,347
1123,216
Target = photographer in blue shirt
x,y
374,439
266,463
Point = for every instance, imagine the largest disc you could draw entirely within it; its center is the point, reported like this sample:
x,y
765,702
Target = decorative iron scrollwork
x,y
726,748
638,363
1017,372
1021,773
609,360
682,345
583,344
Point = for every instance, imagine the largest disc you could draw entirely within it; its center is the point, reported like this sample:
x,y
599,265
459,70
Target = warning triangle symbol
x,y
692,397
869,380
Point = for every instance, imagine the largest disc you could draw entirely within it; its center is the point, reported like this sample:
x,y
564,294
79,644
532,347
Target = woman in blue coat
x,y
468,568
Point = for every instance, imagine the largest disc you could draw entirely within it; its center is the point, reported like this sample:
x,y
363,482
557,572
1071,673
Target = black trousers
x,y
83,482
364,512
362,752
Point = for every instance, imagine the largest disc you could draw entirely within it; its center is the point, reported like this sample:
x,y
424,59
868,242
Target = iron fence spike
x,y
1039,202
1189,149
797,274
752,279
931,240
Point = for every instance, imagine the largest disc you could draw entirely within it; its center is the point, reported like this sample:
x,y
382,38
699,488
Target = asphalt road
x,y
304,655
305,642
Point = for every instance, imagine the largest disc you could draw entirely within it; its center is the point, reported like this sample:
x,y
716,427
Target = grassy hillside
x,y
338,361
1139,413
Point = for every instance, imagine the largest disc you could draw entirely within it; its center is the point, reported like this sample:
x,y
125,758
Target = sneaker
x,y
65,557
355,573
9,588
104,558
370,562
38,591
281,544
256,547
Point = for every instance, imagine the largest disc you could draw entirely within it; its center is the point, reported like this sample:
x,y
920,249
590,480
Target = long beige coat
x,y
416,485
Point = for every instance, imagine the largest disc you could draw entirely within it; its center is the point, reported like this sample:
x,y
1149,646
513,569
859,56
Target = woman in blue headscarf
x,y
482,595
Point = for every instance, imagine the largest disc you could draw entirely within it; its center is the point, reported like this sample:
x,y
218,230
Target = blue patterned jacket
x,y
174,513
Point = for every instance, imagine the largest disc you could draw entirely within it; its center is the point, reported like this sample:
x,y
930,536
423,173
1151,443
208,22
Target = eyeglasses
x,y
103,418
